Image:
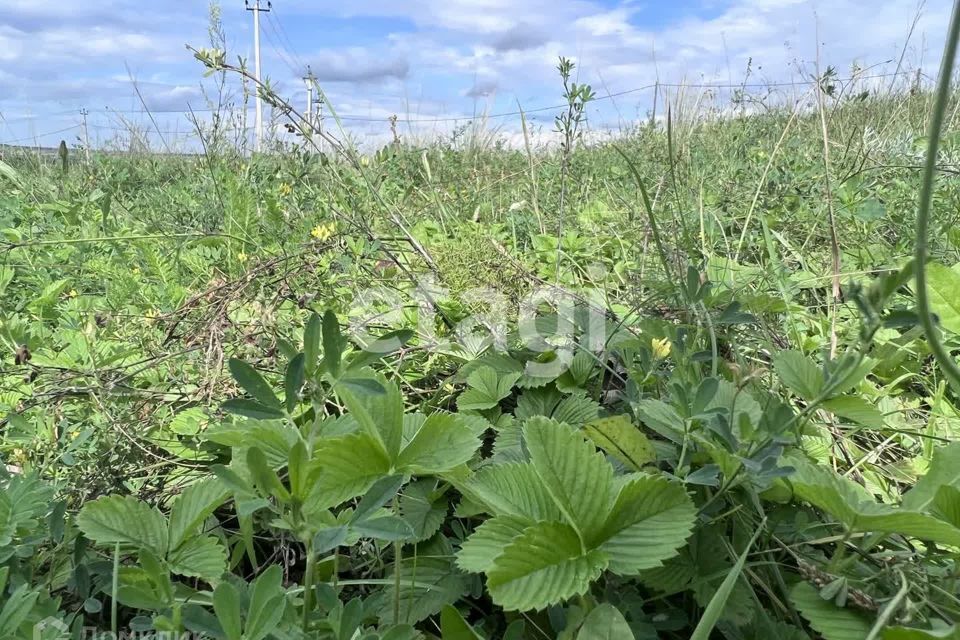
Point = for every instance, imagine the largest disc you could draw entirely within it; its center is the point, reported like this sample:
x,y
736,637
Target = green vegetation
x,y
680,385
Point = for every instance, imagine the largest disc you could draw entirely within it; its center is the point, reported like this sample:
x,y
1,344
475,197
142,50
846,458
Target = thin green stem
x,y
940,353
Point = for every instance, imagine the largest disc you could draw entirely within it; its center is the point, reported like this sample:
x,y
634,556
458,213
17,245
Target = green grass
x,y
132,282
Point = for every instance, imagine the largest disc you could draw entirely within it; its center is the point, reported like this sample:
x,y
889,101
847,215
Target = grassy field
x,y
671,385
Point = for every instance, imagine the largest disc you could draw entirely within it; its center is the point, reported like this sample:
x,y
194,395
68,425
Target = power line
x,y
40,135
278,49
285,42
507,114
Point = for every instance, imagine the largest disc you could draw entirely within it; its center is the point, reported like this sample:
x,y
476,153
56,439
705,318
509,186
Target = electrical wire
x,y
40,135
515,113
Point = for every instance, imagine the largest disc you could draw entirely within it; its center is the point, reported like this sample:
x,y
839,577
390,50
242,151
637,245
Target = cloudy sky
x,y
430,62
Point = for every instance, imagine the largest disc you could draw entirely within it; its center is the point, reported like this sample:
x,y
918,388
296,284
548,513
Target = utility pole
x,y
308,79
256,9
86,136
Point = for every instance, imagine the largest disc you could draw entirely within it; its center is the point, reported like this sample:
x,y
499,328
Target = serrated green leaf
x,y
605,622
513,489
344,468
573,472
618,436
192,507
856,409
487,389
829,620
943,287
253,383
442,443
544,565
378,414
661,418
126,520
488,541
423,508
944,471
859,512
200,557
799,373
650,521
576,409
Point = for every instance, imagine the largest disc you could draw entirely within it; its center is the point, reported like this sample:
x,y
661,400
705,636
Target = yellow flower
x,y
661,348
242,257
74,434
323,231
136,271
72,293
285,189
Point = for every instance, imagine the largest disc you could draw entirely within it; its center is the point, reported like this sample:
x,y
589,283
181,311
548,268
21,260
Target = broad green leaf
x,y
513,489
437,582
332,343
442,443
389,528
265,477
311,343
947,504
192,507
488,541
605,622
661,418
293,382
829,620
424,508
251,409
253,383
267,603
943,286
16,609
125,520
200,557
856,409
454,627
576,409
226,604
715,609
910,633
858,512
651,519
487,389
618,436
944,471
574,473
380,415
329,539
544,565
382,491
344,468
799,373
361,386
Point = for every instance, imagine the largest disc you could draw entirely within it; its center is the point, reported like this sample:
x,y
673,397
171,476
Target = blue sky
x,y
427,60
